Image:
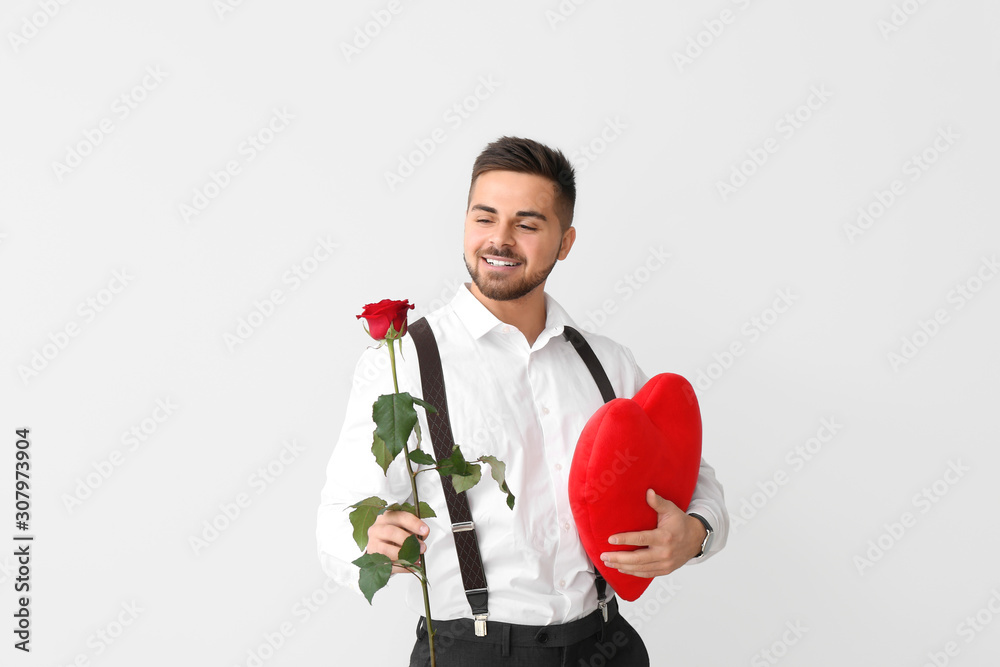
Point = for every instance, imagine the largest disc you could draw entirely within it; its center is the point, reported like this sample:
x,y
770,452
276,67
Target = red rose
x,y
380,316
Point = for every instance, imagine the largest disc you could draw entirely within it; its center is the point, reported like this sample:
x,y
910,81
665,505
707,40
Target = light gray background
x,y
652,183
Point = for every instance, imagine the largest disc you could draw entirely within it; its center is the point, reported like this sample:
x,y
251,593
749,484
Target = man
x,y
518,390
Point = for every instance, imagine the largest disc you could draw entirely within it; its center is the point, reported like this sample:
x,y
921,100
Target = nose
x,y
502,235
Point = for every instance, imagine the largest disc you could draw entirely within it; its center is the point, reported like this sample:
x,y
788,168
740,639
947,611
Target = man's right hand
x,y
390,529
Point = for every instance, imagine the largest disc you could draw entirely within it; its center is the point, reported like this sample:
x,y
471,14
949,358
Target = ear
x,y
567,242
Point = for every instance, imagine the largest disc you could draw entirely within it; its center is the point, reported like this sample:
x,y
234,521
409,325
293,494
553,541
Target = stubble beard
x,y
499,288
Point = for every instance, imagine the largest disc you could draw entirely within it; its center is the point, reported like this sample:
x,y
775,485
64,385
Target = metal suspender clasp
x,y
602,604
481,624
463,526
477,600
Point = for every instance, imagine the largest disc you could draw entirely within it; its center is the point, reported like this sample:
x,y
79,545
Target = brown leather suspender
x,y
470,562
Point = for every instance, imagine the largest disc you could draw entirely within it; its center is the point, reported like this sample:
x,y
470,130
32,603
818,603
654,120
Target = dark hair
x,y
530,157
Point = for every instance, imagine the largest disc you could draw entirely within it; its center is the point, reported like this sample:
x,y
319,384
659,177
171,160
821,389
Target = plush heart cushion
x,y
651,441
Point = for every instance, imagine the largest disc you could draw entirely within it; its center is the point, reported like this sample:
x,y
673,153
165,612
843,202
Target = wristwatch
x,y
707,542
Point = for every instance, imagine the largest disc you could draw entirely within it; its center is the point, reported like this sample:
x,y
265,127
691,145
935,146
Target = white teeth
x,y
497,262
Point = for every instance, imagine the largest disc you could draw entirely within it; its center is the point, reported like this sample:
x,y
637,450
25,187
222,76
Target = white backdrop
x,y
198,197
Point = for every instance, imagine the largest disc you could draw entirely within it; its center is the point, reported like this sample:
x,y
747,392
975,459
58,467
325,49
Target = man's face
x,y
513,236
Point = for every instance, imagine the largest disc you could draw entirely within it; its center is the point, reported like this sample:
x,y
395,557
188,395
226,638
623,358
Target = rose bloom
x,y
384,313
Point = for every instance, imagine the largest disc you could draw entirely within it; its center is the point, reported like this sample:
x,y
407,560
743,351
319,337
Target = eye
x,y
528,227
484,220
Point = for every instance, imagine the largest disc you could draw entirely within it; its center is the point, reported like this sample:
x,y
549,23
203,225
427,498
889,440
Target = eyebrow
x,y
519,214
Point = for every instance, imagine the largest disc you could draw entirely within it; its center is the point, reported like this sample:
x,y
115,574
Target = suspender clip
x,y
463,526
481,624
602,604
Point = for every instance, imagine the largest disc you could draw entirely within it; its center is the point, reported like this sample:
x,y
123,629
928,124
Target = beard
x,y
507,288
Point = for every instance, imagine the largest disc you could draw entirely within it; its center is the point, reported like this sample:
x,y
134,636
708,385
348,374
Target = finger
x,y
642,538
640,563
647,571
387,539
660,504
618,559
407,521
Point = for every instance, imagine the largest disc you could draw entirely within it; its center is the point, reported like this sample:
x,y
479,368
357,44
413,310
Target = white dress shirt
x,y
524,405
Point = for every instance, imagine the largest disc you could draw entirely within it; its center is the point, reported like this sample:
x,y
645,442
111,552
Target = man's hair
x,y
530,157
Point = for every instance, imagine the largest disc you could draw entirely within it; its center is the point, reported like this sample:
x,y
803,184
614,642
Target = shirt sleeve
x,y
708,499
352,473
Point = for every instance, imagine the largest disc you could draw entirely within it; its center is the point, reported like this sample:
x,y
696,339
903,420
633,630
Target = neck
x,y
526,313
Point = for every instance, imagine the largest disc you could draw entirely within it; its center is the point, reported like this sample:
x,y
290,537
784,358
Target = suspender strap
x,y
593,365
608,394
466,543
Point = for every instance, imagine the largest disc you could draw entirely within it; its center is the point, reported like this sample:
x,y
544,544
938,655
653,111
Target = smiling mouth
x,y
499,262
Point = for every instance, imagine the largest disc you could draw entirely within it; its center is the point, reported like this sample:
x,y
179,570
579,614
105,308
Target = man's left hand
x,y
676,539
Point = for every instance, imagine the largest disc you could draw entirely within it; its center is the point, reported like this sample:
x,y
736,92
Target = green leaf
x,y
464,475
410,549
454,464
468,480
362,518
401,507
424,404
425,509
394,419
499,471
382,457
422,457
375,572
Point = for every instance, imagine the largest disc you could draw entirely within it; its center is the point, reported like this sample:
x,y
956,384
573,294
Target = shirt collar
x,y
479,320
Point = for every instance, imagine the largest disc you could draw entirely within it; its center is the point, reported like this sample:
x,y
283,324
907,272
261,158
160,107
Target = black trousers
x,y
583,643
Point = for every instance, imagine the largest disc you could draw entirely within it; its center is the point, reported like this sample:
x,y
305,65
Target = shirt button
x,y
562,583
558,467
545,410
566,526
506,329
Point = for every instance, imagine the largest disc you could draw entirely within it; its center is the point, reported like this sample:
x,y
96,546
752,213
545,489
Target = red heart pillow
x,y
651,441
